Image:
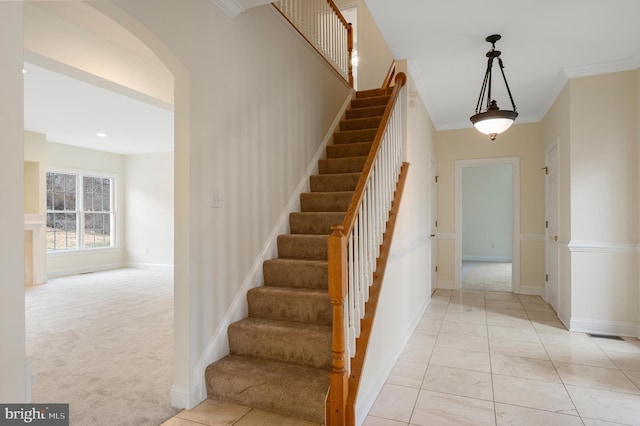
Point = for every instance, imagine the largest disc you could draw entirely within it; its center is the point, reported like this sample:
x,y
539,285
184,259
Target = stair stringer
x,y
218,345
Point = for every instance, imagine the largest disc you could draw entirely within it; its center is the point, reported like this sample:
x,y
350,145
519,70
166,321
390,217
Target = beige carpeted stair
x,y
280,356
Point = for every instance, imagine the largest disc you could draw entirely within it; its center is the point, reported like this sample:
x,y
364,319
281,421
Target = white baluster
x,y
354,320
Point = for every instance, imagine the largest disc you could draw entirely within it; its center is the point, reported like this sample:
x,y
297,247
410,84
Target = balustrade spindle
x,y
323,26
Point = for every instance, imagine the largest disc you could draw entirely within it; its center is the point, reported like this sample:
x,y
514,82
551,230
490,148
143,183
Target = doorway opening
x,y
487,220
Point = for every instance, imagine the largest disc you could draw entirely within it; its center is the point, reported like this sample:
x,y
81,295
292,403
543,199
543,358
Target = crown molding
x,y
603,68
585,71
232,8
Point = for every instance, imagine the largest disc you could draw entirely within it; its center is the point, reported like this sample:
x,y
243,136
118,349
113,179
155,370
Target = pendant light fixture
x,y
493,120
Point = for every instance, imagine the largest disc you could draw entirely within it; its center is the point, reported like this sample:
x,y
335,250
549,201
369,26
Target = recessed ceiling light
x,y
101,135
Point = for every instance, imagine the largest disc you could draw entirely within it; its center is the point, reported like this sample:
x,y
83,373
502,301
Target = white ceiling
x,y
73,112
543,43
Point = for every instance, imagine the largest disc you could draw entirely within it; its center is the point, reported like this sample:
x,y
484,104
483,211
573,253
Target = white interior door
x,y
434,225
551,234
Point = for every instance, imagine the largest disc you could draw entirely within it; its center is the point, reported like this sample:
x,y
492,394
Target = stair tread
x,y
270,385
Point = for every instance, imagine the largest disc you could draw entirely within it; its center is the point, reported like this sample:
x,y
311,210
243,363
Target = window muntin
x,y
80,213
96,193
62,216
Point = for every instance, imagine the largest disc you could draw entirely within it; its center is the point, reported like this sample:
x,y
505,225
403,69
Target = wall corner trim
x,y
231,7
184,397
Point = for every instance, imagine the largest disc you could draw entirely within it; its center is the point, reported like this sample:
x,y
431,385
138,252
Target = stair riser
x,y
310,348
325,202
369,102
314,223
360,123
351,136
295,391
375,111
303,307
280,274
349,150
331,183
341,165
312,247
372,93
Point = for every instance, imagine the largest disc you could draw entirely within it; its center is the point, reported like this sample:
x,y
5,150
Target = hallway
x,y
489,358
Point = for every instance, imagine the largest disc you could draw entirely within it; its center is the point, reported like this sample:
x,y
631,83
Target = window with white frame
x,y
80,211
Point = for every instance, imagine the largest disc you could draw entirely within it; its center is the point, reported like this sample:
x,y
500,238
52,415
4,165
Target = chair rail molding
x,y
596,246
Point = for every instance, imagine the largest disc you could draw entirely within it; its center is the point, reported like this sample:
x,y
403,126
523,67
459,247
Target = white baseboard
x,y
366,397
84,270
218,345
447,285
151,266
532,290
486,259
184,397
612,328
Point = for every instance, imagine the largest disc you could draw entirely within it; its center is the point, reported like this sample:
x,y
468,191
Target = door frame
x,y
515,211
433,220
555,303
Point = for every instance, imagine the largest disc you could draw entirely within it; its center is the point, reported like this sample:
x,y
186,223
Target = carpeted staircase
x,y
281,356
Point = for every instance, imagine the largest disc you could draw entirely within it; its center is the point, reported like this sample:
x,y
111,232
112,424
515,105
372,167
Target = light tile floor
x,y
492,358
487,358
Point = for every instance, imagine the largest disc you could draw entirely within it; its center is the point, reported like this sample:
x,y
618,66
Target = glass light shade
x,y
493,122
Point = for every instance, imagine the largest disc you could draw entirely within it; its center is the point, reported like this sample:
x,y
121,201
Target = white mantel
x,y
36,258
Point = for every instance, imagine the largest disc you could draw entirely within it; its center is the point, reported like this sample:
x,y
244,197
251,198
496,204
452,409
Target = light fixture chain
x,y
513,104
483,89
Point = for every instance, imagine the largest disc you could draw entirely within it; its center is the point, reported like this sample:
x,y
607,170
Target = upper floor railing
x,y
323,26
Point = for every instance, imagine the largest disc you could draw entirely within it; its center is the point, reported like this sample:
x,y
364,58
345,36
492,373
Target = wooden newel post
x,y
350,50
338,380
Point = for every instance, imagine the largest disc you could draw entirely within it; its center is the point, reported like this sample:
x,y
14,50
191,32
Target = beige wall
x,y
35,186
522,141
604,203
148,219
67,157
252,106
595,123
15,384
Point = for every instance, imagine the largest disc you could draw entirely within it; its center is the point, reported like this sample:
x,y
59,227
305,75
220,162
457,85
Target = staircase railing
x,y
323,26
353,250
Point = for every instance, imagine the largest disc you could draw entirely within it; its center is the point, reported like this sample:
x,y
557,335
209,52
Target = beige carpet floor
x,y
103,342
488,276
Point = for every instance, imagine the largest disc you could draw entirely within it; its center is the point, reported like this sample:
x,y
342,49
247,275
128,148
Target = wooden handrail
x,y
338,13
337,408
389,77
358,194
